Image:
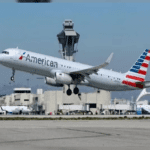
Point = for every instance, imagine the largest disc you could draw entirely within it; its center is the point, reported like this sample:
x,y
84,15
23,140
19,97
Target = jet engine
x,y
52,82
63,78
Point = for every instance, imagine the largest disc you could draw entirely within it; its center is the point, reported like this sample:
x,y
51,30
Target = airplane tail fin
x,y
138,71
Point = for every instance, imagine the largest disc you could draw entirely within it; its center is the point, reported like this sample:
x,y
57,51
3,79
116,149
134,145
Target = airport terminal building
x,y
57,102
52,102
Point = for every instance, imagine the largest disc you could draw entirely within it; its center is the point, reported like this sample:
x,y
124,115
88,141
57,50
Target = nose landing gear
x,y
12,78
13,74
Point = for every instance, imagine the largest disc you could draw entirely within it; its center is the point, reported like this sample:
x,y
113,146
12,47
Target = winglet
x,y
109,58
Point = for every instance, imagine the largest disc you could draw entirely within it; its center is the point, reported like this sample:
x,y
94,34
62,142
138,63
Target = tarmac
x,y
75,135
74,116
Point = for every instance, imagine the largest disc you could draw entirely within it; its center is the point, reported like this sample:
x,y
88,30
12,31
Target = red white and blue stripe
x,y
138,71
21,57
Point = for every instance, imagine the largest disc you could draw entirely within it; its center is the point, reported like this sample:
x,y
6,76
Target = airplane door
x,y
14,56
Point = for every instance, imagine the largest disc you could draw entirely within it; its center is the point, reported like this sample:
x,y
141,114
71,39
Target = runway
x,y
75,135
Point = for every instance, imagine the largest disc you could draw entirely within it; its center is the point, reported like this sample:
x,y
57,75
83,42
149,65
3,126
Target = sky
x,y
85,1
122,28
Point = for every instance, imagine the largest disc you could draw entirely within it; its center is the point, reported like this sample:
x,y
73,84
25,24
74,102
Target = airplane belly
x,y
100,83
106,83
28,67
33,69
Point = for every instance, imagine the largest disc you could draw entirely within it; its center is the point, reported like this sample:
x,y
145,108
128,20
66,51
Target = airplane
x,y
144,107
59,72
16,109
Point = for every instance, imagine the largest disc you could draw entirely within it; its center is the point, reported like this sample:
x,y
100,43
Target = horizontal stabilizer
x,y
145,84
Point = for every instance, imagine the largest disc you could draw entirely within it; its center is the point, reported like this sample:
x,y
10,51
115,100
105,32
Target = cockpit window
x,y
5,52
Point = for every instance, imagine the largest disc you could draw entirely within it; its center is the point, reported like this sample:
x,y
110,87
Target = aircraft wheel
x,y
12,78
69,92
20,112
13,74
76,90
98,91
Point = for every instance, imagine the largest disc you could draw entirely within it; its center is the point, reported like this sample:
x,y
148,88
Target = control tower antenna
x,y
68,38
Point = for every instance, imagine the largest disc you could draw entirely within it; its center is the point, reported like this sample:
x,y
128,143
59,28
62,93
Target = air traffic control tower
x,y
68,40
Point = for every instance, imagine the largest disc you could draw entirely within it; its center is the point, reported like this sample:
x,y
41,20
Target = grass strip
x,y
76,118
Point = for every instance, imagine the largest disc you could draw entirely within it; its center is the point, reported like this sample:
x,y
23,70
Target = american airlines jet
x,y
59,72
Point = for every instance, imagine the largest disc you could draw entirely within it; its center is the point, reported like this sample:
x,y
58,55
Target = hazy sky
x,y
85,1
122,28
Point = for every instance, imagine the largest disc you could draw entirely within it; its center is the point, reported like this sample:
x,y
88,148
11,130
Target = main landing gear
x,y
69,92
13,74
75,91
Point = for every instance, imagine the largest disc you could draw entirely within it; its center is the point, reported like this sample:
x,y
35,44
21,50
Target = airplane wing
x,y
87,72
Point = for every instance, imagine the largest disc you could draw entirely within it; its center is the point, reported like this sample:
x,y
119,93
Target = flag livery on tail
x,y
138,71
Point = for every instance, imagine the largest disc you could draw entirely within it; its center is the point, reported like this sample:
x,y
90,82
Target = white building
x,y
52,101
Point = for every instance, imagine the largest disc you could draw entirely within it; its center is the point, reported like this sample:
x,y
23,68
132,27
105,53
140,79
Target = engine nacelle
x,y
63,78
52,82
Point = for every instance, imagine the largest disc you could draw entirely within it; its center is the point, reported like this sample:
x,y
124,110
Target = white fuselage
x,y
16,109
44,65
145,107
